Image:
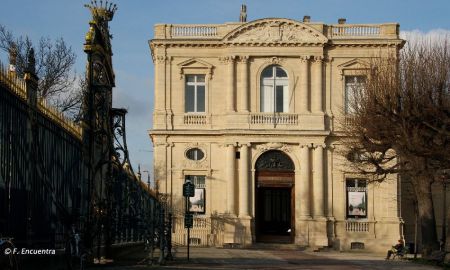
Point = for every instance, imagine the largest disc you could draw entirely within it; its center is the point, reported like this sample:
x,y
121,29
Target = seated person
x,y
395,249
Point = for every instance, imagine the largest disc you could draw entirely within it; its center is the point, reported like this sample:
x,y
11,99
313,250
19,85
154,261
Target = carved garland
x,y
274,146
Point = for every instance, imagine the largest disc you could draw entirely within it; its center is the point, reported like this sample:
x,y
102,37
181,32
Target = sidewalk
x,y
281,258
220,258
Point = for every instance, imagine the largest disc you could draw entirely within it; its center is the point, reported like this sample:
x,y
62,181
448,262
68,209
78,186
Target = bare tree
x,y
54,67
401,123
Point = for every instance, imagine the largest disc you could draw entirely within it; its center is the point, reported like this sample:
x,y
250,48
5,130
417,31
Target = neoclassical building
x,y
251,113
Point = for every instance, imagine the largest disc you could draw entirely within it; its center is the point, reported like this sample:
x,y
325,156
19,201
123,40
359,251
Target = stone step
x,y
276,246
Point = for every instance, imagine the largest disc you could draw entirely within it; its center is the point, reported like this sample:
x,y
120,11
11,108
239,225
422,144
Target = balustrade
x,y
194,119
271,118
200,233
353,30
193,31
356,226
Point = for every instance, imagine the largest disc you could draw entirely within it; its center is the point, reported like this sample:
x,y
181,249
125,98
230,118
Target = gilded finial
x,y
102,11
90,35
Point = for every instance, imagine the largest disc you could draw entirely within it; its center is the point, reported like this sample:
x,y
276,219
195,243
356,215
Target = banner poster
x,y
197,203
357,205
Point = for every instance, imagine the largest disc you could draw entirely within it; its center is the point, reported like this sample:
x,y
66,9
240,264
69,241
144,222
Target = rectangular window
x,y
197,204
279,98
195,93
356,198
353,86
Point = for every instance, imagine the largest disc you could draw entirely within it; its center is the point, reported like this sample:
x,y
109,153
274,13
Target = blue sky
x,y
132,27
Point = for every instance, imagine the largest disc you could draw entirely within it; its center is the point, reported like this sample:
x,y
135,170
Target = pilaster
x,y
304,85
243,181
243,87
317,92
303,187
230,178
318,182
231,82
160,83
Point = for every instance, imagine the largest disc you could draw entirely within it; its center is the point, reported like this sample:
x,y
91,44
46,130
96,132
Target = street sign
x,y
188,189
188,220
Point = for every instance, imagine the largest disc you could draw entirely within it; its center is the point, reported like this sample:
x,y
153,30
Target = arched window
x,y
274,90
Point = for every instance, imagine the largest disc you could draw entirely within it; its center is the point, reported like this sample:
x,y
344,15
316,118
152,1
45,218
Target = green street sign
x,y
188,189
188,220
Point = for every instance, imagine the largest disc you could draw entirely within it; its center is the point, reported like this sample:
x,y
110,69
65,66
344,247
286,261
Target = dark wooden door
x,y
274,207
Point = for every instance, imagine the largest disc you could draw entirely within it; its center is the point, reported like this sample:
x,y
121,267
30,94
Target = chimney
x,y
306,19
342,20
243,15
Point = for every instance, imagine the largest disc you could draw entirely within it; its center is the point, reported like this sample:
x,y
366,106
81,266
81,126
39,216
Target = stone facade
x,y
214,97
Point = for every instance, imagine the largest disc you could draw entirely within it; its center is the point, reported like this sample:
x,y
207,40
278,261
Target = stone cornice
x,y
244,132
218,44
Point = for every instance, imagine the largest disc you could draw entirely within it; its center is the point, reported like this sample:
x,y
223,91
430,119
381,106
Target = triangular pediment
x,y
275,31
355,63
195,63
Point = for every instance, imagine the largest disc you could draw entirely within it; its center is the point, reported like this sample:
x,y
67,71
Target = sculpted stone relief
x,y
278,32
195,164
273,146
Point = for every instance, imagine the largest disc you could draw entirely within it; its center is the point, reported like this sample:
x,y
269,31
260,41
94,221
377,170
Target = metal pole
x,y
189,230
188,237
415,229
444,211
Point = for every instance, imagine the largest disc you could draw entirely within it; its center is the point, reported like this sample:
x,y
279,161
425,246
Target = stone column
x,y
304,186
318,188
304,84
316,93
243,181
243,88
230,88
230,178
160,83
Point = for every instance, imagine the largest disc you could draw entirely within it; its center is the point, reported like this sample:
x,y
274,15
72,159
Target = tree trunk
x,y
422,186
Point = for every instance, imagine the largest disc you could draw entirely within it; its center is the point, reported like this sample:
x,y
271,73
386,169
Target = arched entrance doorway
x,y
274,197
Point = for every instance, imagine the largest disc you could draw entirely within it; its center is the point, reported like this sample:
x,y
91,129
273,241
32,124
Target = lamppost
x,y
445,179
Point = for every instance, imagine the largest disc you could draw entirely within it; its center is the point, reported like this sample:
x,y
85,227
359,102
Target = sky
x,y
132,28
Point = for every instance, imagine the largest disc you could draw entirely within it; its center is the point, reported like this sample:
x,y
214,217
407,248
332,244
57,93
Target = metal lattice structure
x,y
58,177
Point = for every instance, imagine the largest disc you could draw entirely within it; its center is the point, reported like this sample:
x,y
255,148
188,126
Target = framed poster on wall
x,y
356,198
197,204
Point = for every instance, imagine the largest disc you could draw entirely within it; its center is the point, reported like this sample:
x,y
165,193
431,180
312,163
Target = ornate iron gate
x,y
57,177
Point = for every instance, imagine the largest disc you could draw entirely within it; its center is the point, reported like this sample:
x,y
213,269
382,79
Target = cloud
x,y
434,36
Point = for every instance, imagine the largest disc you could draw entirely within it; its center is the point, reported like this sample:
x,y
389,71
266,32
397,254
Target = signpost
x,y
188,191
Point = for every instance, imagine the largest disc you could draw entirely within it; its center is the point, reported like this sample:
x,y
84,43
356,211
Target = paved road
x,y
218,258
